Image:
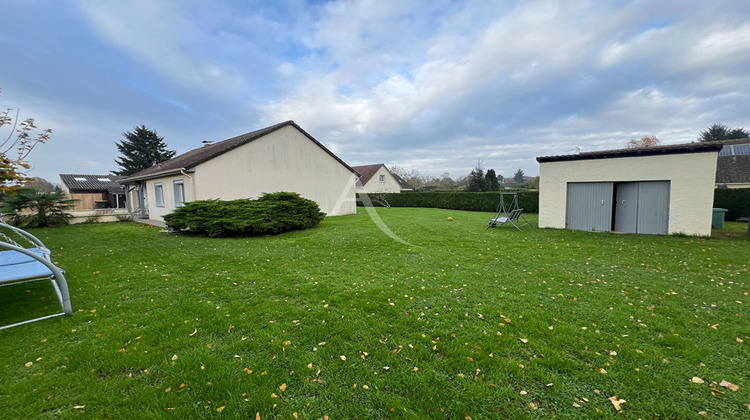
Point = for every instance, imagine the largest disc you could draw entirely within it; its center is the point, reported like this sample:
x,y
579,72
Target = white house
x,y
282,157
377,179
656,190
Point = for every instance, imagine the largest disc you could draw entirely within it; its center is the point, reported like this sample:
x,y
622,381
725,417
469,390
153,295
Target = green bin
x,y
718,220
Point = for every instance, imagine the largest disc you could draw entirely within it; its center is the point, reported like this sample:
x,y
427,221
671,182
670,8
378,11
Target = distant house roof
x,y
91,183
366,172
195,157
402,183
645,151
733,169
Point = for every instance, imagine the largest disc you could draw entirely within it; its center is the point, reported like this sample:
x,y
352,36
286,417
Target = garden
x,y
342,321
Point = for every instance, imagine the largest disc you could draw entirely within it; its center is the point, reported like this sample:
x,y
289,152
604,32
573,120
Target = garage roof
x,y
671,149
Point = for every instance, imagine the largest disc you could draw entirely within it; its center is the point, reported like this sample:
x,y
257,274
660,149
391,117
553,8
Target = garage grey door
x,y
653,207
589,206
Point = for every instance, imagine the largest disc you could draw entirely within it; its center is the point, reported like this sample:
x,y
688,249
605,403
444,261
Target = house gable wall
x,y
389,185
691,177
284,160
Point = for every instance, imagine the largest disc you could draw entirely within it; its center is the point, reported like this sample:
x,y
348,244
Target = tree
x,y
41,185
15,150
518,176
141,149
490,181
718,132
411,176
645,141
533,184
476,178
47,209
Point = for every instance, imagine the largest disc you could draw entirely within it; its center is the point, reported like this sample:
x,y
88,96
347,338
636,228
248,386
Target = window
x,y
159,194
179,193
382,178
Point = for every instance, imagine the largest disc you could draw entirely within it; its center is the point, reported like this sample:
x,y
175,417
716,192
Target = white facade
x,y
382,182
691,177
282,160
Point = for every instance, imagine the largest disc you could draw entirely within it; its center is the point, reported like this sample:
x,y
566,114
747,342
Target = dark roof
x,y
402,182
366,172
671,149
733,169
195,157
91,183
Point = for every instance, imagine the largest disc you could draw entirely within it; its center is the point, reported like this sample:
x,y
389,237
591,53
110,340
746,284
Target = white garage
x,y
656,190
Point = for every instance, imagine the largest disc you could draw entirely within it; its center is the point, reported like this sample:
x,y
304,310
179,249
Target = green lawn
x,y
343,321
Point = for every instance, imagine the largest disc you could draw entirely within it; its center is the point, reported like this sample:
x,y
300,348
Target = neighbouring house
x,y
405,186
94,192
656,190
282,157
377,179
733,165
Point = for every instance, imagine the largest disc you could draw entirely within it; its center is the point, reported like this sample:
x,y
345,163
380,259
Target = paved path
x,y
152,222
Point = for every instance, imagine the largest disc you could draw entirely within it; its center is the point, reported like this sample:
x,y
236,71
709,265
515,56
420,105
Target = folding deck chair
x,y
20,265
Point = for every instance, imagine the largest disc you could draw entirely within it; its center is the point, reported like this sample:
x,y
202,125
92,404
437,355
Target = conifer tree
x,y
141,149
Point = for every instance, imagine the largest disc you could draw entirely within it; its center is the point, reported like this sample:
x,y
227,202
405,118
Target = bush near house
x,y
271,214
471,201
736,200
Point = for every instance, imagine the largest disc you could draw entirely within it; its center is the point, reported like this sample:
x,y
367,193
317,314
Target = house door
x,y
626,207
589,206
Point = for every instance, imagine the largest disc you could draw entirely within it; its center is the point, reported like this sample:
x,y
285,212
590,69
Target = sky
x,y
433,85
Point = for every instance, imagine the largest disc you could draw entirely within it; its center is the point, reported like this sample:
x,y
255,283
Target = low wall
x,y
98,216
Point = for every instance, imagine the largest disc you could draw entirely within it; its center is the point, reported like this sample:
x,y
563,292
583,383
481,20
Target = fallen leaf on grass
x,y
286,343
729,385
696,380
220,409
576,405
342,357
523,340
174,357
617,402
79,407
533,406
282,386
28,364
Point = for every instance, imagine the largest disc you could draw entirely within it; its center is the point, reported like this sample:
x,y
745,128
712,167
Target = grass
x,y
343,321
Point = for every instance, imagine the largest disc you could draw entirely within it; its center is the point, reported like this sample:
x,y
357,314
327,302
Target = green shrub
x,y
736,200
472,201
42,209
270,214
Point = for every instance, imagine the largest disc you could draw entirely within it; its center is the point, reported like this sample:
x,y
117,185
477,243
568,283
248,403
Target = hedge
x,y
472,201
736,200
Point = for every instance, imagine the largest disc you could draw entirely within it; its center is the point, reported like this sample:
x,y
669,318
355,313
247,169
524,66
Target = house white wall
x,y
691,176
388,185
284,160
168,188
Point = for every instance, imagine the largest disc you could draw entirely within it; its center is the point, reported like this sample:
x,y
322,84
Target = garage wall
x,y
691,177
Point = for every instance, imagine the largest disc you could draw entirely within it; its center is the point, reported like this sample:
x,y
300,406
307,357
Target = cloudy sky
x,y
430,85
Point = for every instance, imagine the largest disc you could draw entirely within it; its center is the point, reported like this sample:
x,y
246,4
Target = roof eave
x,y
132,179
